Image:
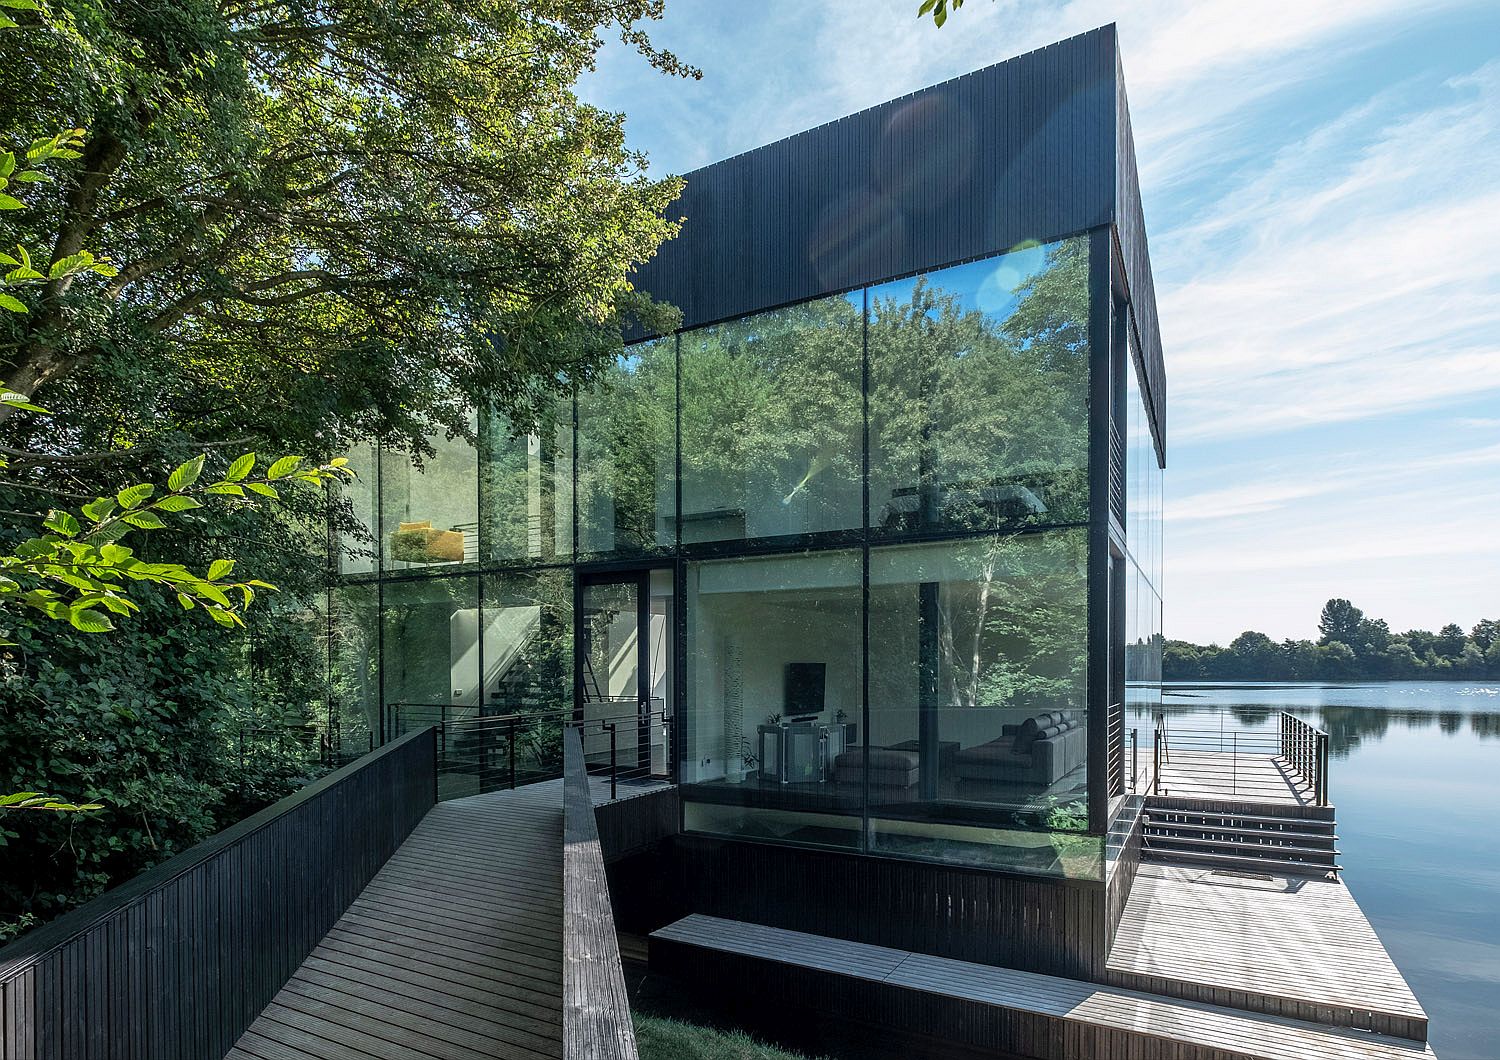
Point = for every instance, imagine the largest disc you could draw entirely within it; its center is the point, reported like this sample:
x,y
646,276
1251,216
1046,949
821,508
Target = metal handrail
x,y
1305,748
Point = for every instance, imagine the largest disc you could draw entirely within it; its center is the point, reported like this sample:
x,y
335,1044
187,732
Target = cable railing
x,y
1233,754
489,752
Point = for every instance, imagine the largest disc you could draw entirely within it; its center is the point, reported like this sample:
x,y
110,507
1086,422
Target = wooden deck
x,y
453,951
1049,1015
1236,777
1299,944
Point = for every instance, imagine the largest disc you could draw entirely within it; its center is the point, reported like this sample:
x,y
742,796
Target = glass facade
x,y
866,521
1143,534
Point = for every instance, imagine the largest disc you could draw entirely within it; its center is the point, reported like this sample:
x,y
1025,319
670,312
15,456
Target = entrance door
x,y
622,672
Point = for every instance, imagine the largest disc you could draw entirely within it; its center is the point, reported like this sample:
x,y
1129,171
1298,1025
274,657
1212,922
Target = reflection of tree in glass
x,y
626,434
772,420
979,420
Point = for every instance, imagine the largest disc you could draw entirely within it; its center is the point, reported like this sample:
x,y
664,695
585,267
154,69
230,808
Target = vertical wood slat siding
x,y
1040,925
629,826
596,1010
176,963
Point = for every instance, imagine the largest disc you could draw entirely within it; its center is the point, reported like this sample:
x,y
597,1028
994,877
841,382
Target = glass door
x,y
623,672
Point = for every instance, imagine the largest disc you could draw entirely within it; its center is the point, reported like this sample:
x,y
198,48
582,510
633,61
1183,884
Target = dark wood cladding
x,y
1130,228
1041,925
639,823
1126,862
176,963
1038,147
595,1009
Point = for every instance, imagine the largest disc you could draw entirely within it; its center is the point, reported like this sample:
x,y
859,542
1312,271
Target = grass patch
x,y
659,1038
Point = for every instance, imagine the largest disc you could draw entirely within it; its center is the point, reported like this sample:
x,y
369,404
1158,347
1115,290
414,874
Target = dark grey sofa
x,y
1040,751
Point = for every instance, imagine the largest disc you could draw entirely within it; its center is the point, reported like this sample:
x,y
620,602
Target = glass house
x,y
870,549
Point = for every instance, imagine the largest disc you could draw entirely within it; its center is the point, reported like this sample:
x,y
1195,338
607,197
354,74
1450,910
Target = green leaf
x,y
177,504
20,401
31,176
134,496
15,305
87,620
220,568
186,474
224,618
8,202
99,508
61,522
240,468
263,489
7,163
229,488
283,467
186,601
145,520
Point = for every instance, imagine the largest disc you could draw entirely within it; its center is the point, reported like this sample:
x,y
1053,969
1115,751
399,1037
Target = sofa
x,y
1038,752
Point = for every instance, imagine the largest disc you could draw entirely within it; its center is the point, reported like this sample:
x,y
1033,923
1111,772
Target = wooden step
x,y
1156,842
1246,864
1290,833
1315,823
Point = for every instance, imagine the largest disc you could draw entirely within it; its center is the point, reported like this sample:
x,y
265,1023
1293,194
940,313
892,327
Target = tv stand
x,y
802,752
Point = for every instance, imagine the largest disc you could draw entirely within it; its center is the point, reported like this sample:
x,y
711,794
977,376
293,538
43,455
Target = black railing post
x,y
511,740
1156,764
1322,769
613,776
1135,757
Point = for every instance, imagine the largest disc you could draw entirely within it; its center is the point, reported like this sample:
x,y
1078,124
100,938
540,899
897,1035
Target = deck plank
x,y
1072,1003
1243,777
453,951
1298,938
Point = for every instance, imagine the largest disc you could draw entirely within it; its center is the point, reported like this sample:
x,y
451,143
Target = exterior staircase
x,y
1248,837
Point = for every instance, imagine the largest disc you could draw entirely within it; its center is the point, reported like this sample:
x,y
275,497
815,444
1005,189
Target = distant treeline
x,y
1350,647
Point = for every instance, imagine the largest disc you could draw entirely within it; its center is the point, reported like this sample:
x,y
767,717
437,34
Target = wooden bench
x,y
977,1005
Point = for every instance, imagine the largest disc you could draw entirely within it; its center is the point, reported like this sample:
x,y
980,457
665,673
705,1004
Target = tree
x,y
1450,641
1340,621
329,220
1486,633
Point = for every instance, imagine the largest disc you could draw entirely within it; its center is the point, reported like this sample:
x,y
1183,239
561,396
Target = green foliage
x,y
661,1038
1352,647
938,9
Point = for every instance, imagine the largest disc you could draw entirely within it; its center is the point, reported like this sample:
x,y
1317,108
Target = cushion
x,y
1026,736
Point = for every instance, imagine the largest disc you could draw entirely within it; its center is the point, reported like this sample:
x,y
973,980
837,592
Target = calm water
x,y
1416,779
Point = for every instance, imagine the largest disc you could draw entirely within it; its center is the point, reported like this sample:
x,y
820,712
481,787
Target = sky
x,y
1321,185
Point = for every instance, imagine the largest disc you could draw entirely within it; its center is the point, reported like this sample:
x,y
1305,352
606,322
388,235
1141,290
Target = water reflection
x,y
1350,714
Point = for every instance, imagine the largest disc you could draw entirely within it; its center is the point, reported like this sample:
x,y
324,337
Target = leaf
x,y
186,601
8,202
220,568
99,508
87,620
283,467
145,520
263,489
240,468
7,163
177,504
226,488
31,176
134,496
20,401
186,474
61,522
15,305
224,618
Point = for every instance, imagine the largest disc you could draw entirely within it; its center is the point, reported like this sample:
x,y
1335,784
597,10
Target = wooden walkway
x,y
453,951
1223,936
1099,1020
1236,777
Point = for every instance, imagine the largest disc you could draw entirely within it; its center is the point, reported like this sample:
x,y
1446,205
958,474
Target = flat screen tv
x,y
804,689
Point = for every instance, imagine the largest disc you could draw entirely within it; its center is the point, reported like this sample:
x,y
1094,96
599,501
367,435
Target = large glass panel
x,y
431,629
979,394
772,421
527,633
355,528
354,667
525,496
429,505
627,454
774,698
978,715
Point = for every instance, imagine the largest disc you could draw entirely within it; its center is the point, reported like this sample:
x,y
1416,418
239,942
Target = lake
x,y
1415,777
